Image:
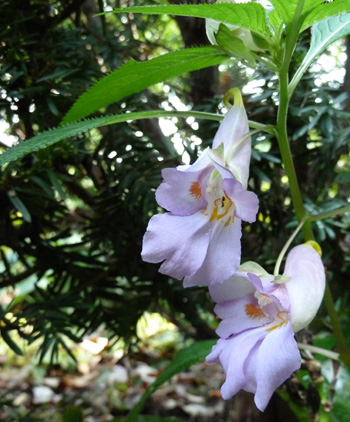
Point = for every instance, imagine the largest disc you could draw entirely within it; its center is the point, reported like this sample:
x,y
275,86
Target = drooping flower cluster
x,y
198,240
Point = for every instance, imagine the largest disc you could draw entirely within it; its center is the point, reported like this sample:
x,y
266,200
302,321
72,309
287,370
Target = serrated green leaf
x,y
325,10
286,9
136,76
323,34
233,45
251,15
185,358
53,136
276,21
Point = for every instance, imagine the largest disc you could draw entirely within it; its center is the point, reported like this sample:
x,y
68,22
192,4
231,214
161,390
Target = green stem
x,y
244,137
344,353
313,349
140,115
286,246
281,127
330,214
292,33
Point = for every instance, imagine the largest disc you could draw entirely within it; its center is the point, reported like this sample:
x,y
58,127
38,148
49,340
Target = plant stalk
x,y
281,127
292,34
344,352
329,214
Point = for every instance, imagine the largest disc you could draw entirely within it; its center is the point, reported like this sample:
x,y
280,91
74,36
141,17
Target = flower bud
x,y
306,284
252,42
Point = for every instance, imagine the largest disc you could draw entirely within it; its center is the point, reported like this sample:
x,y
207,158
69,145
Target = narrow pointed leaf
x,y
56,184
323,34
12,345
45,187
185,358
136,76
67,349
19,205
251,16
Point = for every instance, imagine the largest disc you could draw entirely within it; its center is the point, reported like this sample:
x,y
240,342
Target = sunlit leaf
x,y
251,15
325,10
276,21
287,9
136,76
323,34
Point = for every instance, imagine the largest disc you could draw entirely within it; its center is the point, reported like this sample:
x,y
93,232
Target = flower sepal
x,y
244,35
281,279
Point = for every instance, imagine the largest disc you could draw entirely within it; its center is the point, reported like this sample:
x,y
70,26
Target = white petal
x,y
233,127
306,285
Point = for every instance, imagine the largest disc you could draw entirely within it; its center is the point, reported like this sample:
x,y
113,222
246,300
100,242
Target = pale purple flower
x,y
198,239
260,313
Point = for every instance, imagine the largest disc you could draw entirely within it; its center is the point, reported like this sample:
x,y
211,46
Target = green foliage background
x,y
73,215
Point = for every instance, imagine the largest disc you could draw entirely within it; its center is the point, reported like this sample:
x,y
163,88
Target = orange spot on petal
x,y
195,190
253,311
